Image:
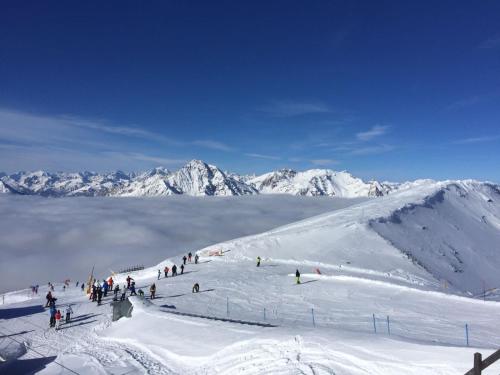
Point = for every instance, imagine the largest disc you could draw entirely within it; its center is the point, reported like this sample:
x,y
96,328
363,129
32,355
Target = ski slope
x,y
257,320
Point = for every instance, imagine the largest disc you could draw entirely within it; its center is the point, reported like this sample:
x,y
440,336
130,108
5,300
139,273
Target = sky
x,y
389,90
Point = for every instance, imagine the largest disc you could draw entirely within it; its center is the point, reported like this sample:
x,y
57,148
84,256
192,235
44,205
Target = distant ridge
x,y
196,178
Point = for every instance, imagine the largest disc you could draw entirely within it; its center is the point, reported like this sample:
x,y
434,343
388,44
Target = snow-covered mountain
x,y
63,184
430,231
196,178
316,182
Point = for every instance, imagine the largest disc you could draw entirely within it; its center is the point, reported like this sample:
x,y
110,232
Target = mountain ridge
x,y
196,178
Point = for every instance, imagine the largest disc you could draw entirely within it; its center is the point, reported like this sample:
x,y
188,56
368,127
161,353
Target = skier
x,y
159,274
76,286
99,295
258,261
184,259
189,257
124,293
152,290
182,269
141,293
196,288
297,276
132,289
52,313
69,311
174,270
105,288
165,270
196,257
115,291
83,286
129,279
48,297
36,289
110,283
93,295
58,319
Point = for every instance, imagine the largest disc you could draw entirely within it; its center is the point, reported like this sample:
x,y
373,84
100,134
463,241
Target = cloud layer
x,y
54,239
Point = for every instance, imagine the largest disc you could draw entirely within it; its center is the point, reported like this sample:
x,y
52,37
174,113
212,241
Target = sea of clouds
x,y
53,239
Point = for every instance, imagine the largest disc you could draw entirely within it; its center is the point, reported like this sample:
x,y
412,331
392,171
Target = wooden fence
x,y
480,365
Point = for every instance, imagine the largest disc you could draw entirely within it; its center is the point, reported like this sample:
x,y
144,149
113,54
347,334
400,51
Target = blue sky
x,y
388,89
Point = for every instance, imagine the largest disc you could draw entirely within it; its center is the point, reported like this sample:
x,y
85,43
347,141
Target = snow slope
x,y
434,232
256,320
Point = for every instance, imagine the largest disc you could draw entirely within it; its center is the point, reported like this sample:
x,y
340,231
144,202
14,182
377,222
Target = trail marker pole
x,y
467,334
264,314
227,306
388,325
312,313
374,325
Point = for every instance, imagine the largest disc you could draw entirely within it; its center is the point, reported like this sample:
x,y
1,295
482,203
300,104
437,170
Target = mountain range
x,y
196,178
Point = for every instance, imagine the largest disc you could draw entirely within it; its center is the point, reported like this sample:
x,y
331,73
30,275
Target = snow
x,y
323,325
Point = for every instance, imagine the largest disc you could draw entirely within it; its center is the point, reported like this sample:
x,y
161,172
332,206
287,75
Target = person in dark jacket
x,y
174,270
189,257
99,295
182,269
132,289
152,291
196,257
258,261
48,297
297,276
184,259
196,288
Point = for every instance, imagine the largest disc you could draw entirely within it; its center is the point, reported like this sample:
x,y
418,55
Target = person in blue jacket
x,y
52,311
105,287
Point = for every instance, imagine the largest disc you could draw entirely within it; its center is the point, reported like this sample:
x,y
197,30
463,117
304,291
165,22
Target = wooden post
x,y
477,364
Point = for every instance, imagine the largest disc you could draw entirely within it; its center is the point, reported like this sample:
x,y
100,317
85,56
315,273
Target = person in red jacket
x,y
58,319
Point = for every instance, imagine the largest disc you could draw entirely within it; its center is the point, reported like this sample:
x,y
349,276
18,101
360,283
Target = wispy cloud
x,y
126,131
464,103
490,43
261,156
371,150
33,141
214,145
324,162
374,132
287,108
487,138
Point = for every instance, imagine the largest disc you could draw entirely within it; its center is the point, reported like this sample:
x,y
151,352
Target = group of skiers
x,y
185,259
55,314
